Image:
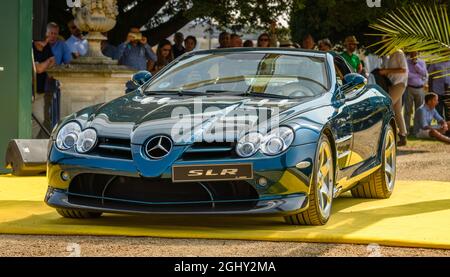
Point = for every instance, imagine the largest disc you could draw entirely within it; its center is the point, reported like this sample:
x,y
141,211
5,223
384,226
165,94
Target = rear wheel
x,y
78,214
380,184
321,195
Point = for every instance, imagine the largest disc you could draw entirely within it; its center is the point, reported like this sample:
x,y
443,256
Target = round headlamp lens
x,y
86,141
277,141
70,140
249,145
274,146
68,136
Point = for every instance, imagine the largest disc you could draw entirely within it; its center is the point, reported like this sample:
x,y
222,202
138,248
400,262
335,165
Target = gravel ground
x,y
418,161
424,160
38,246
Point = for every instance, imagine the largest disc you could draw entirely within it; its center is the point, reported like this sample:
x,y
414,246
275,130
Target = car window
x,y
271,73
342,69
339,75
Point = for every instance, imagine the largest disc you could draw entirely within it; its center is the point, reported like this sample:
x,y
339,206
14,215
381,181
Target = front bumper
x,y
277,206
286,191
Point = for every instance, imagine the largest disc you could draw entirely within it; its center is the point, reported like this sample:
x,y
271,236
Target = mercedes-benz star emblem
x,y
158,147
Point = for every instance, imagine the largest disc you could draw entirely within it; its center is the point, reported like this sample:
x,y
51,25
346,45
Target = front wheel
x,y
321,195
380,184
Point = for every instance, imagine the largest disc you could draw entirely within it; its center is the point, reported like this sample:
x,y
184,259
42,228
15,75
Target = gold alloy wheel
x,y
390,158
325,179
320,197
380,184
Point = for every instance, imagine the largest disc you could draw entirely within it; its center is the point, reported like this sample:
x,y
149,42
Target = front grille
x,y
113,148
144,194
210,151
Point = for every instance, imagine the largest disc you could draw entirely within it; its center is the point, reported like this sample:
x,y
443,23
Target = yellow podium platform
x,y
417,215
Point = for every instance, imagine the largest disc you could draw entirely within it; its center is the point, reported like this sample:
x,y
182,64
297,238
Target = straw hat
x,y
286,43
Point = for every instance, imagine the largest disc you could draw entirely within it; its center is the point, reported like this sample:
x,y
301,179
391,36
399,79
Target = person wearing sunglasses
x,y
77,44
264,40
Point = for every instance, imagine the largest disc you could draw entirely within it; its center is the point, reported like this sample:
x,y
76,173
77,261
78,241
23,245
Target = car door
x,y
366,120
343,121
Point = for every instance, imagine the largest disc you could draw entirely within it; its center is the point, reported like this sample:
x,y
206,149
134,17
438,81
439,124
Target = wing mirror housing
x,y
355,80
141,78
353,84
138,80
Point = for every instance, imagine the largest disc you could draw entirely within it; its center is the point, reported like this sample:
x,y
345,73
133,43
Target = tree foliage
x,y
421,28
336,19
164,17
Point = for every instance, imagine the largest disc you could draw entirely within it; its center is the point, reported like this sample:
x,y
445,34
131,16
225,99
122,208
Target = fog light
x,y
65,176
262,182
303,165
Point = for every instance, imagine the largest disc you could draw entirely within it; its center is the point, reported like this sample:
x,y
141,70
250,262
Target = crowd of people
x,y
413,86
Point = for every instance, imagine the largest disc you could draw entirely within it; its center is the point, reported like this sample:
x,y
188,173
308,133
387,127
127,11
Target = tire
x,y
78,214
380,184
322,188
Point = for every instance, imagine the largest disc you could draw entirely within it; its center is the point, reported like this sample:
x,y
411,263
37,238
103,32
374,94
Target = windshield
x,y
245,72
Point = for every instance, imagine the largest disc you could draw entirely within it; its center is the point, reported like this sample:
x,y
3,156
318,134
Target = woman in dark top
x,y
164,54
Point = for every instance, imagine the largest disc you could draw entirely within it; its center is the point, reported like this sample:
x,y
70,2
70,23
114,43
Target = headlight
x,y
277,141
274,143
68,136
249,145
86,141
71,136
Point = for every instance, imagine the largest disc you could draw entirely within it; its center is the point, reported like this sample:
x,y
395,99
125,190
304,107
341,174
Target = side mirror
x,y
141,78
355,81
137,80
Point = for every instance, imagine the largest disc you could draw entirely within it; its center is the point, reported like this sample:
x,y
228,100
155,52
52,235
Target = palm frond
x,y
425,29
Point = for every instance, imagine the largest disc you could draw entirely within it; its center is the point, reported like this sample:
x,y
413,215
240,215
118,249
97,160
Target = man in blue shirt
x,y
439,82
423,127
417,77
135,52
60,50
77,44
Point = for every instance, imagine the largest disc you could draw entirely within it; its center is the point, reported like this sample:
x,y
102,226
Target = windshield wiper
x,y
177,92
199,93
224,91
159,92
268,95
255,94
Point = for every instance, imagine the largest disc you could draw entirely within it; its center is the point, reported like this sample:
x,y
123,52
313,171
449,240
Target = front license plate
x,y
203,173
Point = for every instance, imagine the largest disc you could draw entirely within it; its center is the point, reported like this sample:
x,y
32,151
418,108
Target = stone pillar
x,y
95,17
85,85
92,79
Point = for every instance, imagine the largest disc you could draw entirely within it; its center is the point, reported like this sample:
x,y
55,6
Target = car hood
x,y
187,118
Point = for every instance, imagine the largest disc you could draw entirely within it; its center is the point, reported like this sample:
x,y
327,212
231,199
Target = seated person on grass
x,y
423,127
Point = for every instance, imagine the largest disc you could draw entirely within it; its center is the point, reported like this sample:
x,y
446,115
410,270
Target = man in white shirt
x,y
396,69
76,43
